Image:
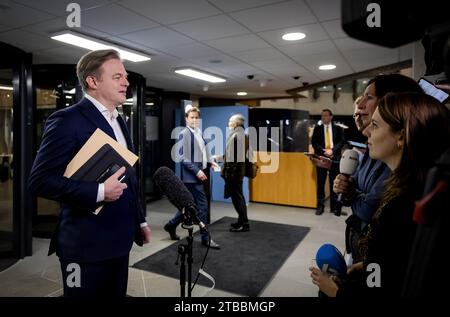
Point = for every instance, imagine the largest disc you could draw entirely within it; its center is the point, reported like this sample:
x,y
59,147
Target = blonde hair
x,y
90,65
191,109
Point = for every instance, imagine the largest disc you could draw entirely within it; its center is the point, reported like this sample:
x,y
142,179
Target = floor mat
x,y
246,261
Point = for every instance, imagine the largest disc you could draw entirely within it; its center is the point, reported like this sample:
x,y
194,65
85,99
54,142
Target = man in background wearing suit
x,y
194,161
327,140
98,245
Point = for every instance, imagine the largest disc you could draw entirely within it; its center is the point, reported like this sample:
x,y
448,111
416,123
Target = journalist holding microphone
x,y
408,132
98,245
362,191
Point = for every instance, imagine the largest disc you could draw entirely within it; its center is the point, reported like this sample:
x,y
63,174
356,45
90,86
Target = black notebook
x,y
104,163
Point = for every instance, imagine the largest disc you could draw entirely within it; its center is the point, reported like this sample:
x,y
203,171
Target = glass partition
x,y
16,118
55,88
6,161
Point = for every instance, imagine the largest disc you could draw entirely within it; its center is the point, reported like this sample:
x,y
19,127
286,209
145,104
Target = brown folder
x,y
97,140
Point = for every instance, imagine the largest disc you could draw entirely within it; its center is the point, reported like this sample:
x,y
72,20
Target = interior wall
x,y
343,106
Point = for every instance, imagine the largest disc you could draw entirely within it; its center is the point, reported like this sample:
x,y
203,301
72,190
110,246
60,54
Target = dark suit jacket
x,y
81,235
191,157
389,246
237,148
318,140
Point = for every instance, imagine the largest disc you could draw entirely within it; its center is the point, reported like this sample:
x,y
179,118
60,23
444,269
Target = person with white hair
x,y
233,170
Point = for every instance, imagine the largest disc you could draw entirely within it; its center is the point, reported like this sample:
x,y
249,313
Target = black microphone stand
x,y
183,251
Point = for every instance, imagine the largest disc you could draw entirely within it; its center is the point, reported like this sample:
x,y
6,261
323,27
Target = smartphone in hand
x,y
430,89
310,154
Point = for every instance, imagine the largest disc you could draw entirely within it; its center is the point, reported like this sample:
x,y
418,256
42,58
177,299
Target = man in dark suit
x,y
194,162
93,249
327,140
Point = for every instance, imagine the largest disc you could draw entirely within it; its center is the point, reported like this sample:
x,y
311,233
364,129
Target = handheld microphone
x,y
329,259
171,186
348,165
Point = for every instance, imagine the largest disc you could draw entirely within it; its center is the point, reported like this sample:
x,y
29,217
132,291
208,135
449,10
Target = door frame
x,y
23,129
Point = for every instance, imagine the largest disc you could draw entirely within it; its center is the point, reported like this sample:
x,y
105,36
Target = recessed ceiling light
x,y
6,88
327,67
242,93
149,103
191,72
71,91
93,44
293,36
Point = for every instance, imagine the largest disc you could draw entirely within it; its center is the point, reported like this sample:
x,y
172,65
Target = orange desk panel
x,y
294,183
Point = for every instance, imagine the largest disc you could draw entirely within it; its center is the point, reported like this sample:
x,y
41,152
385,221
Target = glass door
x,y
132,111
55,87
151,146
16,118
6,160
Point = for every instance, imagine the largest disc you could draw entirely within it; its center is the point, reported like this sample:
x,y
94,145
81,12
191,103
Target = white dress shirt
x,y
112,120
111,117
198,137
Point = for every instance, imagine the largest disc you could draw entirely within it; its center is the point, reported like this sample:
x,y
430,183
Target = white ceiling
x,y
245,35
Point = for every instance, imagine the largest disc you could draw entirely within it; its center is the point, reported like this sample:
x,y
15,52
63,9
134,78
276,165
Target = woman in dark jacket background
x,y
233,170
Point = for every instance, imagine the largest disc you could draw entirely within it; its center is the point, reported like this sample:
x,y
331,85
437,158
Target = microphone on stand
x,y
177,193
348,165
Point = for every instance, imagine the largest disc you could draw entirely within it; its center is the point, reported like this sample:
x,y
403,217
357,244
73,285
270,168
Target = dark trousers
x,y
201,203
107,278
321,179
234,189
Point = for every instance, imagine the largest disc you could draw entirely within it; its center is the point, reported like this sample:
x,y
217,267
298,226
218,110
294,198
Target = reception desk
x,y
294,183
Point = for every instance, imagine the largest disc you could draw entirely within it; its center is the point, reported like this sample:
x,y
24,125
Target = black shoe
x,y
242,228
319,210
235,225
212,244
337,212
172,231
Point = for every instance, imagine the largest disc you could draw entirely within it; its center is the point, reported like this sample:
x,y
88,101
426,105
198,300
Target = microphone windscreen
x,y
349,162
171,186
329,259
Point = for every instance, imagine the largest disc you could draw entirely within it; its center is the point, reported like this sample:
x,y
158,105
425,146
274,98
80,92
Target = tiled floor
x,y
39,275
